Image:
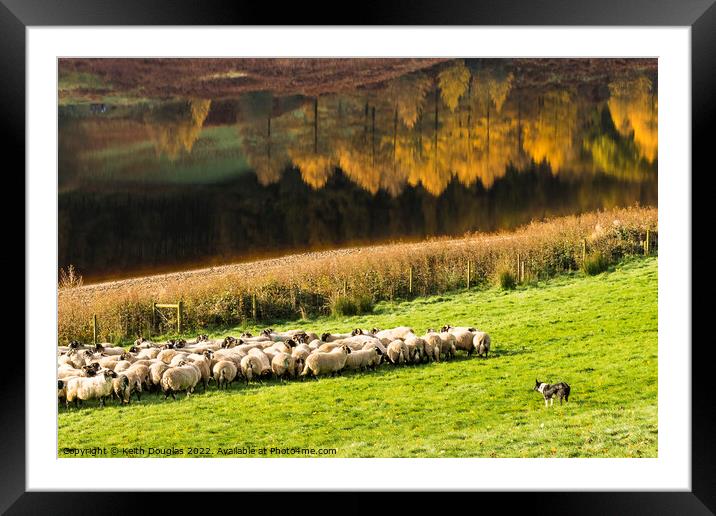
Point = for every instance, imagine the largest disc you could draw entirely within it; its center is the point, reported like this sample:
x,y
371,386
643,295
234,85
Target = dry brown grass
x,y
303,286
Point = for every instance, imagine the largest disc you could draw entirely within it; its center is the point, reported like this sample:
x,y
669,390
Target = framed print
x,y
445,257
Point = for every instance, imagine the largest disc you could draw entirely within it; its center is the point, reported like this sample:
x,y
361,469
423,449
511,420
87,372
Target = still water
x,y
163,182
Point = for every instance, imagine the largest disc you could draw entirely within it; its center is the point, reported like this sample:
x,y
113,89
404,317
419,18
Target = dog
x,y
561,390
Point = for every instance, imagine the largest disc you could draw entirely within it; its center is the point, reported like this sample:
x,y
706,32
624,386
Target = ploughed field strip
x,y
103,372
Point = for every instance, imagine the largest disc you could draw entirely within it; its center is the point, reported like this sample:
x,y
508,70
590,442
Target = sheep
x,y
393,334
285,347
203,362
230,342
433,344
397,352
149,353
122,389
109,350
122,365
264,360
143,343
458,329
271,352
285,365
305,337
372,342
446,344
228,354
156,371
75,358
183,377
301,351
248,346
481,341
143,362
166,355
327,347
111,362
314,344
62,390
69,372
224,373
138,376
416,349
463,340
326,363
331,337
65,360
251,367
178,357
83,389
66,371
364,359
358,341
287,335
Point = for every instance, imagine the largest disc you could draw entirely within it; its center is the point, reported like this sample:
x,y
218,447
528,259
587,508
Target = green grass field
x,y
597,333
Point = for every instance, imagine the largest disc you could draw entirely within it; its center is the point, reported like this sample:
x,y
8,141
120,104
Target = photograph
x,y
357,257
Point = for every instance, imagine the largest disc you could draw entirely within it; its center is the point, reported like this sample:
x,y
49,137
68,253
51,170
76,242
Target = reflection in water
x,y
173,134
460,146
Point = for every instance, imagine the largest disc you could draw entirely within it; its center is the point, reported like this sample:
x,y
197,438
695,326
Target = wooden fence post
x,y
646,244
518,268
180,306
345,287
410,279
154,309
94,329
468,274
253,306
584,251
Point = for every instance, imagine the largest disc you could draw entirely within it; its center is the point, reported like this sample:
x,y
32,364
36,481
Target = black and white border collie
x,y
561,390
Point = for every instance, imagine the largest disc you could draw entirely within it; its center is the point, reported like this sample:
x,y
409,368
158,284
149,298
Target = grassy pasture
x,y
598,333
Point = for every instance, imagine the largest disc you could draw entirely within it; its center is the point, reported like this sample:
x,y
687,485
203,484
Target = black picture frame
x,y
17,15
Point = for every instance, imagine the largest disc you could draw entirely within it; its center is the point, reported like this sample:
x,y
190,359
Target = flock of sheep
x,y
102,372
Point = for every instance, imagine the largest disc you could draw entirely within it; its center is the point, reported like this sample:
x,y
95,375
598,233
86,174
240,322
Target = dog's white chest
x,y
541,388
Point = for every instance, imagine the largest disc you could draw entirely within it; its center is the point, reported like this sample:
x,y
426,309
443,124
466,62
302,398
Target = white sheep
x,y
318,363
397,352
156,371
96,387
331,337
481,341
121,365
301,352
327,347
285,365
149,353
364,359
463,340
395,333
265,361
251,367
224,373
433,345
184,377
203,362
122,389
416,349
166,355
